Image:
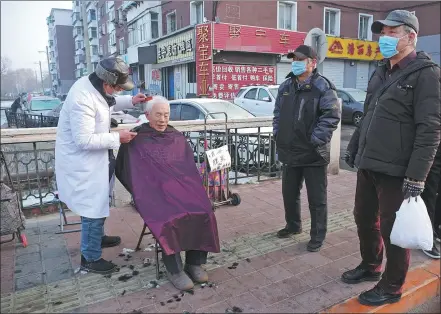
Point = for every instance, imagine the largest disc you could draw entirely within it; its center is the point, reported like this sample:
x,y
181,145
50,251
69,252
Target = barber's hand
x,y
139,98
412,188
125,136
349,159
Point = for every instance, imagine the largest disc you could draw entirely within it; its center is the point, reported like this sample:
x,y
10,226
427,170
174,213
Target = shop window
x,y
364,26
287,12
331,21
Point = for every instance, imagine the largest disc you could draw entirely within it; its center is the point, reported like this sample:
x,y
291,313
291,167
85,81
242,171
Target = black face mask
x,y
98,84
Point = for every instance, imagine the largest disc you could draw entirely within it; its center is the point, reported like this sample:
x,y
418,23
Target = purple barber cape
x,y
158,169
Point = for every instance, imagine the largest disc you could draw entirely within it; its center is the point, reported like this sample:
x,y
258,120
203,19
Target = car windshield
x,y
273,91
358,95
45,104
233,111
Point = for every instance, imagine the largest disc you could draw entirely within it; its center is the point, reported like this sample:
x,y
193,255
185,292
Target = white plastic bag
x,y
412,228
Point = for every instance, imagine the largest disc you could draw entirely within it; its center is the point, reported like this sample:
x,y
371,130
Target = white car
x,y
259,99
245,145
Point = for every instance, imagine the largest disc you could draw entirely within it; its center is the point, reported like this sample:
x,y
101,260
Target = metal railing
x,y
30,156
25,120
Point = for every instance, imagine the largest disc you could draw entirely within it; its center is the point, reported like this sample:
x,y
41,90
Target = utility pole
x,y
36,78
41,76
86,36
48,68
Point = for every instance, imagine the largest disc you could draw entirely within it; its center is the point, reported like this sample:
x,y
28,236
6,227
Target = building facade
x,y
60,50
244,34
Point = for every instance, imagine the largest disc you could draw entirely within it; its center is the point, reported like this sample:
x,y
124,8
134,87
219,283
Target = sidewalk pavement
x,y
255,272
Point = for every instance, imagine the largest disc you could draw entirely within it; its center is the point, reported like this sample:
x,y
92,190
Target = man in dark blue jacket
x,y
306,114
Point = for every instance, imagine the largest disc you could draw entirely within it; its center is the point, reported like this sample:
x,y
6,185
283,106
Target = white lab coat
x,y
81,149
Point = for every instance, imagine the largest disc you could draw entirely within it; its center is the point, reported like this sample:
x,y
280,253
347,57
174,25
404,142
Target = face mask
x,y
388,46
298,67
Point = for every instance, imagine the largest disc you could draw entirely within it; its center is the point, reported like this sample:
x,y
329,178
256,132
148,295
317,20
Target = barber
x,y
82,153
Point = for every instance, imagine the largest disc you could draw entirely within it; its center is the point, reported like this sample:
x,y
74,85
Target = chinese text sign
x,y
204,60
354,49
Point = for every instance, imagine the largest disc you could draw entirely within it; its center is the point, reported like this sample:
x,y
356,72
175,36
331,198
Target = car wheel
x,y
356,118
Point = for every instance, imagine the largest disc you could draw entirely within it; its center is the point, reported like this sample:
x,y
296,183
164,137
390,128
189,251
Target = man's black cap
x,y
396,18
303,52
114,71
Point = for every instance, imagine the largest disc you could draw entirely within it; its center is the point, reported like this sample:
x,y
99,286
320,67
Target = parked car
x,y
41,105
245,146
257,99
352,104
124,118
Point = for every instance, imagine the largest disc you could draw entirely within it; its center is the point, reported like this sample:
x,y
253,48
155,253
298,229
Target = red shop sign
x,y
233,37
229,78
204,60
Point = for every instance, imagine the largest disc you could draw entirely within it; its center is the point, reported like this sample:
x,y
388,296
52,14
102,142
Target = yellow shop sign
x,y
353,49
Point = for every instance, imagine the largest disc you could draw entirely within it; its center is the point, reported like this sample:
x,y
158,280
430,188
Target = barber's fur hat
x,y
114,71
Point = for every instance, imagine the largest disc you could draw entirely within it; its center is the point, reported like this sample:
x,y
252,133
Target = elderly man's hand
x,y
139,98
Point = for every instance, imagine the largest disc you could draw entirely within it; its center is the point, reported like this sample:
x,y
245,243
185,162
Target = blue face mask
x,y
388,46
298,67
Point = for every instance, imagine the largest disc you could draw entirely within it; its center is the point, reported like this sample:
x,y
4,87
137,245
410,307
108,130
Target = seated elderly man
x,y
157,167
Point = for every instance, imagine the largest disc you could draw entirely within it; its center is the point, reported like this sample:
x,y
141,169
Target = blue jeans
x,y
92,231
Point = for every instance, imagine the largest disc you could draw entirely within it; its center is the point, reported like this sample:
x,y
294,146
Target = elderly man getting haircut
x,y
157,167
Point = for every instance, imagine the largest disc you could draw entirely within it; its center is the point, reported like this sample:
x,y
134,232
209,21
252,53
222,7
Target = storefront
x,y
231,56
174,73
350,62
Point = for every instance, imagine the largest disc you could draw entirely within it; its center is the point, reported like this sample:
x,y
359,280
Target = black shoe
x,y
359,274
433,253
286,233
100,266
377,296
109,241
314,246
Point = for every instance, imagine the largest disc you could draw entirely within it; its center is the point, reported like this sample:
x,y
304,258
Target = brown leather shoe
x,y
197,273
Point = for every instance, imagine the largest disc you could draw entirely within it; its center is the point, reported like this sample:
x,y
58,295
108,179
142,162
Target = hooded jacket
x,y
400,131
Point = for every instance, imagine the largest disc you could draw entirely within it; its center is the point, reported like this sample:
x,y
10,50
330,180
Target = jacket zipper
x,y
302,103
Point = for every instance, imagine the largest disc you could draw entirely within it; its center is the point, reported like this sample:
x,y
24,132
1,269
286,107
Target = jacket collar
x,y
98,85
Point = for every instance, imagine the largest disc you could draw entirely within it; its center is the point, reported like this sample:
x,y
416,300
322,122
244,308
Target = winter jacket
x,y
305,117
400,131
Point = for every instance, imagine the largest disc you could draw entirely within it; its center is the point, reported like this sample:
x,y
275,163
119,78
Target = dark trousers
x,y
377,198
173,262
429,195
316,181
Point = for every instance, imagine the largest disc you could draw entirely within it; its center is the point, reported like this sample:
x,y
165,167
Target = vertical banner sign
x,y
204,60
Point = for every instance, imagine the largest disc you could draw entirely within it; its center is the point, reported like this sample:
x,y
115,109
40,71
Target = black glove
x,y
412,188
349,159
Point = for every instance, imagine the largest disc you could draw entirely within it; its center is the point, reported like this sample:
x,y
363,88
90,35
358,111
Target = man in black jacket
x,y
393,148
306,114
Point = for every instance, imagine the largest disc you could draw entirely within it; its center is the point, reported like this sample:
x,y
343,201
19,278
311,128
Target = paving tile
x,y
285,306
280,256
28,258
314,277
219,275
242,268
293,286
315,259
219,307
336,291
296,266
57,262
247,302
253,280
230,288
261,261
202,297
32,248
313,300
108,306
55,252
134,301
28,269
57,274
275,273
28,281
173,307
270,294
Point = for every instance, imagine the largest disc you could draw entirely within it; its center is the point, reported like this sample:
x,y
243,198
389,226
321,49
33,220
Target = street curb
x,y
422,284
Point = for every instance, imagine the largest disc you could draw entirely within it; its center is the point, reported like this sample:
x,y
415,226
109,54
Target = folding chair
x,y
157,248
63,218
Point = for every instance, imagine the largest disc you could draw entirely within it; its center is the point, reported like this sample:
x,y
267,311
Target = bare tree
x,y
5,64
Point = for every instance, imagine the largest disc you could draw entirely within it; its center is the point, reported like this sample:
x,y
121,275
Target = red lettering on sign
x,y
360,49
351,49
336,47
